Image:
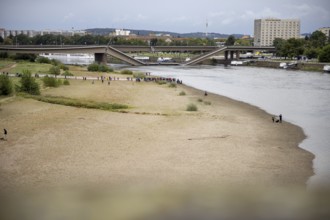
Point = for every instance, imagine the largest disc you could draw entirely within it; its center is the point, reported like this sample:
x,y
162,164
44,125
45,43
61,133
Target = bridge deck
x,y
119,51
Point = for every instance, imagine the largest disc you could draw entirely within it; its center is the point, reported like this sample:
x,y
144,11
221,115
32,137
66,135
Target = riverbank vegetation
x,y
315,46
76,102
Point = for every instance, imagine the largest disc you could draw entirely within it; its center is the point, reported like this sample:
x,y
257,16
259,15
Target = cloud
x,y
306,10
141,17
68,17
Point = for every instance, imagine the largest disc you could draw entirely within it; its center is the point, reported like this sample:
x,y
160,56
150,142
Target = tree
x,y
55,70
23,39
311,53
28,84
295,47
279,45
6,86
1,40
153,42
318,39
230,40
324,55
7,41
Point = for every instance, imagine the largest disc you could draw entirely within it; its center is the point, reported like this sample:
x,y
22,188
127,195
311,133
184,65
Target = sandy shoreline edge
x,y
157,160
246,154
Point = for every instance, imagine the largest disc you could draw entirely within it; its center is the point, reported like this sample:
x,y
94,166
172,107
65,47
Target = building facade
x,y
326,31
266,30
121,32
31,33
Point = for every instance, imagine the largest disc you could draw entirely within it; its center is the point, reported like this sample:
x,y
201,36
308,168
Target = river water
x,y
303,98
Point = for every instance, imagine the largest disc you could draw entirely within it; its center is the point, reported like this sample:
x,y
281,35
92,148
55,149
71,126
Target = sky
x,y
182,16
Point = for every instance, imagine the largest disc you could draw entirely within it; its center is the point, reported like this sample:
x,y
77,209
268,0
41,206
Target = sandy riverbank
x,y
222,143
156,144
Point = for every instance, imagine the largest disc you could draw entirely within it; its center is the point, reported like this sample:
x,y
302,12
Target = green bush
x,y
172,85
4,55
67,73
207,102
55,70
29,84
324,55
55,62
94,67
192,107
126,72
49,81
66,82
43,60
200,100
182,93
6,86
29,57
63,67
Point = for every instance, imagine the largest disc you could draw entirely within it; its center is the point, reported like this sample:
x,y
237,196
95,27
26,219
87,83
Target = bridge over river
x,y
120,51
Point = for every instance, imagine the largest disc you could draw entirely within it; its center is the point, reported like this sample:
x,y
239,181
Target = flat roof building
x,y
266,30
325,30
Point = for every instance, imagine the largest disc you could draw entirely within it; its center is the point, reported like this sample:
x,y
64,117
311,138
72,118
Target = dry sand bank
x,y
157,161
227,142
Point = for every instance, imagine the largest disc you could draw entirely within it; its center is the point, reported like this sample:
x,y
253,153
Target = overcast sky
x,y
228,17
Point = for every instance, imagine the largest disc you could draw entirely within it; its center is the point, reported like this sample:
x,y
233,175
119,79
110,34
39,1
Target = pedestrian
x,y
280,117
5,134
205,93
273,119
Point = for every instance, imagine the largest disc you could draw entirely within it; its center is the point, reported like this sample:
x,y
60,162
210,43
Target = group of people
x,y
156,79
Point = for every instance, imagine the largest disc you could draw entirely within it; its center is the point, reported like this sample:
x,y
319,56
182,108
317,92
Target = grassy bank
x,y
76,102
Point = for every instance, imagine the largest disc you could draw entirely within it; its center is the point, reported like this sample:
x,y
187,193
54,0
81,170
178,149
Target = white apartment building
x,y
121,32
31,33
266,30
325,30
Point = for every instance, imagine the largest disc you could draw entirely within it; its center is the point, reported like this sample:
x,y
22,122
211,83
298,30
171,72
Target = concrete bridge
x,y
119,51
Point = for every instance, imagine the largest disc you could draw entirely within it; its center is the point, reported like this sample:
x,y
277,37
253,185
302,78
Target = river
x,y
303,98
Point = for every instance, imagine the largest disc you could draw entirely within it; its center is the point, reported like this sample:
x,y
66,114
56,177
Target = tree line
x,y
317,46
51,39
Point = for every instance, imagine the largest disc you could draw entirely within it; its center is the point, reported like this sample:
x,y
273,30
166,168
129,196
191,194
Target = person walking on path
x,y
5,134
280,117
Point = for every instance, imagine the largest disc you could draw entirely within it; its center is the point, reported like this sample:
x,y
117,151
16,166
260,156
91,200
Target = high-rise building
x,y
266,30
325,30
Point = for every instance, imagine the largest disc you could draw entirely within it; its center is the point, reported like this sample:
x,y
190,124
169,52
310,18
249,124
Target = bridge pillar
x,y
226,55
231,55
237,55
101,58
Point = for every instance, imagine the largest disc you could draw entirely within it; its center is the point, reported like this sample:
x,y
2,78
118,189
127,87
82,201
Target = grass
x,y
5,63
200,100
139,75
33,67
192,108
207,103
172,85
76,102
182,93
161,82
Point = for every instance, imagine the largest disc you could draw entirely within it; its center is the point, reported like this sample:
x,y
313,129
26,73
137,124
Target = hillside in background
x,y
107,31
